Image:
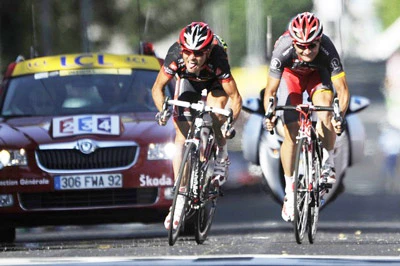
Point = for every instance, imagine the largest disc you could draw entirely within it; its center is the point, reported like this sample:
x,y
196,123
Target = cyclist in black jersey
x,y
304,59
199,61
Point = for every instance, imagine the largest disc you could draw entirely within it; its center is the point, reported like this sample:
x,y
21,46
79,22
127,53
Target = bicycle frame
x,y
202,136
308,132
306,184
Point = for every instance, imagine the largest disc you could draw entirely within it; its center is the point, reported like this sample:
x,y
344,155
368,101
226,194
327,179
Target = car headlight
x,y
12,158
168,193
160,151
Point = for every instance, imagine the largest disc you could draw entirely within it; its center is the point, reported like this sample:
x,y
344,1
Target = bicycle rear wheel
x,y
301,194
208,202
315,197
183,181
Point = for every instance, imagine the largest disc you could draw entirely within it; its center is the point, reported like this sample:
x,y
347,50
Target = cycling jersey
x,y
298,76
284,56
189,86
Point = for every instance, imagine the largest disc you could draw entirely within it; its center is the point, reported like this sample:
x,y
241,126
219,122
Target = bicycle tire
x,y
301,193
185,171
208,202
315,195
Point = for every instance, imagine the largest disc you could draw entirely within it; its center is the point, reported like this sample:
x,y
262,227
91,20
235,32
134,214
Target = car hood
x,y
26,131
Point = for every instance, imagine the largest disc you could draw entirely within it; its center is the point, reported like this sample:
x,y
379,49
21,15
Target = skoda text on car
x,y
79,143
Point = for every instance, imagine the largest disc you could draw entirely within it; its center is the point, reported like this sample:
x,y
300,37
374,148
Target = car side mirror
x,y
357,104
253,105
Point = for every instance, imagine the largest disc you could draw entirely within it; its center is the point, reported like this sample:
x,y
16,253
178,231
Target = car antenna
x,y
33,51
86,17
139,22
144,46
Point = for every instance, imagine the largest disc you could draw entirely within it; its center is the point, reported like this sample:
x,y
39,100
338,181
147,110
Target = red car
x,y
79,143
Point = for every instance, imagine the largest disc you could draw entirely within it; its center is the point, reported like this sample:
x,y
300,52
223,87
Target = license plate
x,y
87,181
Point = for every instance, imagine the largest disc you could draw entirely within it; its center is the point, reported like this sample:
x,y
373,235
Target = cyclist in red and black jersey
x,y
199,61
304,59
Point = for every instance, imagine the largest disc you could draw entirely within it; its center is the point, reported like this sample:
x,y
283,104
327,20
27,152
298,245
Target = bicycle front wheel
x,y
301,193
315,195
208,201
181,193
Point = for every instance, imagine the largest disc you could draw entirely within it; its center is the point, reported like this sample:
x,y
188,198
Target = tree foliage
x,y
388,11
280,13
73,26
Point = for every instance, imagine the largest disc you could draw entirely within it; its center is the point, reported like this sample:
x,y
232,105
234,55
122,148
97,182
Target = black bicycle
x,y
308,189
193,182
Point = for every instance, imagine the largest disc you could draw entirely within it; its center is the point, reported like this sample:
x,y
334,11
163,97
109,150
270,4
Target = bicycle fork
x,y
323,188
310,165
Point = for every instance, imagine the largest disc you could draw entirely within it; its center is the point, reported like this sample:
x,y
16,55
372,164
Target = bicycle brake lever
x,y
230,117
336,109
165,104
336,114
270,111
229,128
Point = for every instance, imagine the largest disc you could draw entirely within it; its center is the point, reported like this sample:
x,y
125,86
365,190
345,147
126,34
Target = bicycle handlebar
x,y
201,107
270,112
304,106
334,108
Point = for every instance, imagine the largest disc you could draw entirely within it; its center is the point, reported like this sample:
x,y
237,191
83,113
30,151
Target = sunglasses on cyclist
x,y
195,52
307,46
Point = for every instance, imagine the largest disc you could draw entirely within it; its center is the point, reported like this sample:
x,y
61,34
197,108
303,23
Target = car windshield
x,y
55,95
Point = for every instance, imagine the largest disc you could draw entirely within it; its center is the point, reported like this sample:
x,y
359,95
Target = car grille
x,y
72,159
89,198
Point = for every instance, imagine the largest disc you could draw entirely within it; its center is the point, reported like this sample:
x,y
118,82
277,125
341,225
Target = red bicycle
x,y
308,189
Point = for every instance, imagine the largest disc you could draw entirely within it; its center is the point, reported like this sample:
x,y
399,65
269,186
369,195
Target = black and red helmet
x,y
196,36
305,28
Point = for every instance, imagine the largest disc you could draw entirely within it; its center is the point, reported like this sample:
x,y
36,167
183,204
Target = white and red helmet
x,y
305,28
196,36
